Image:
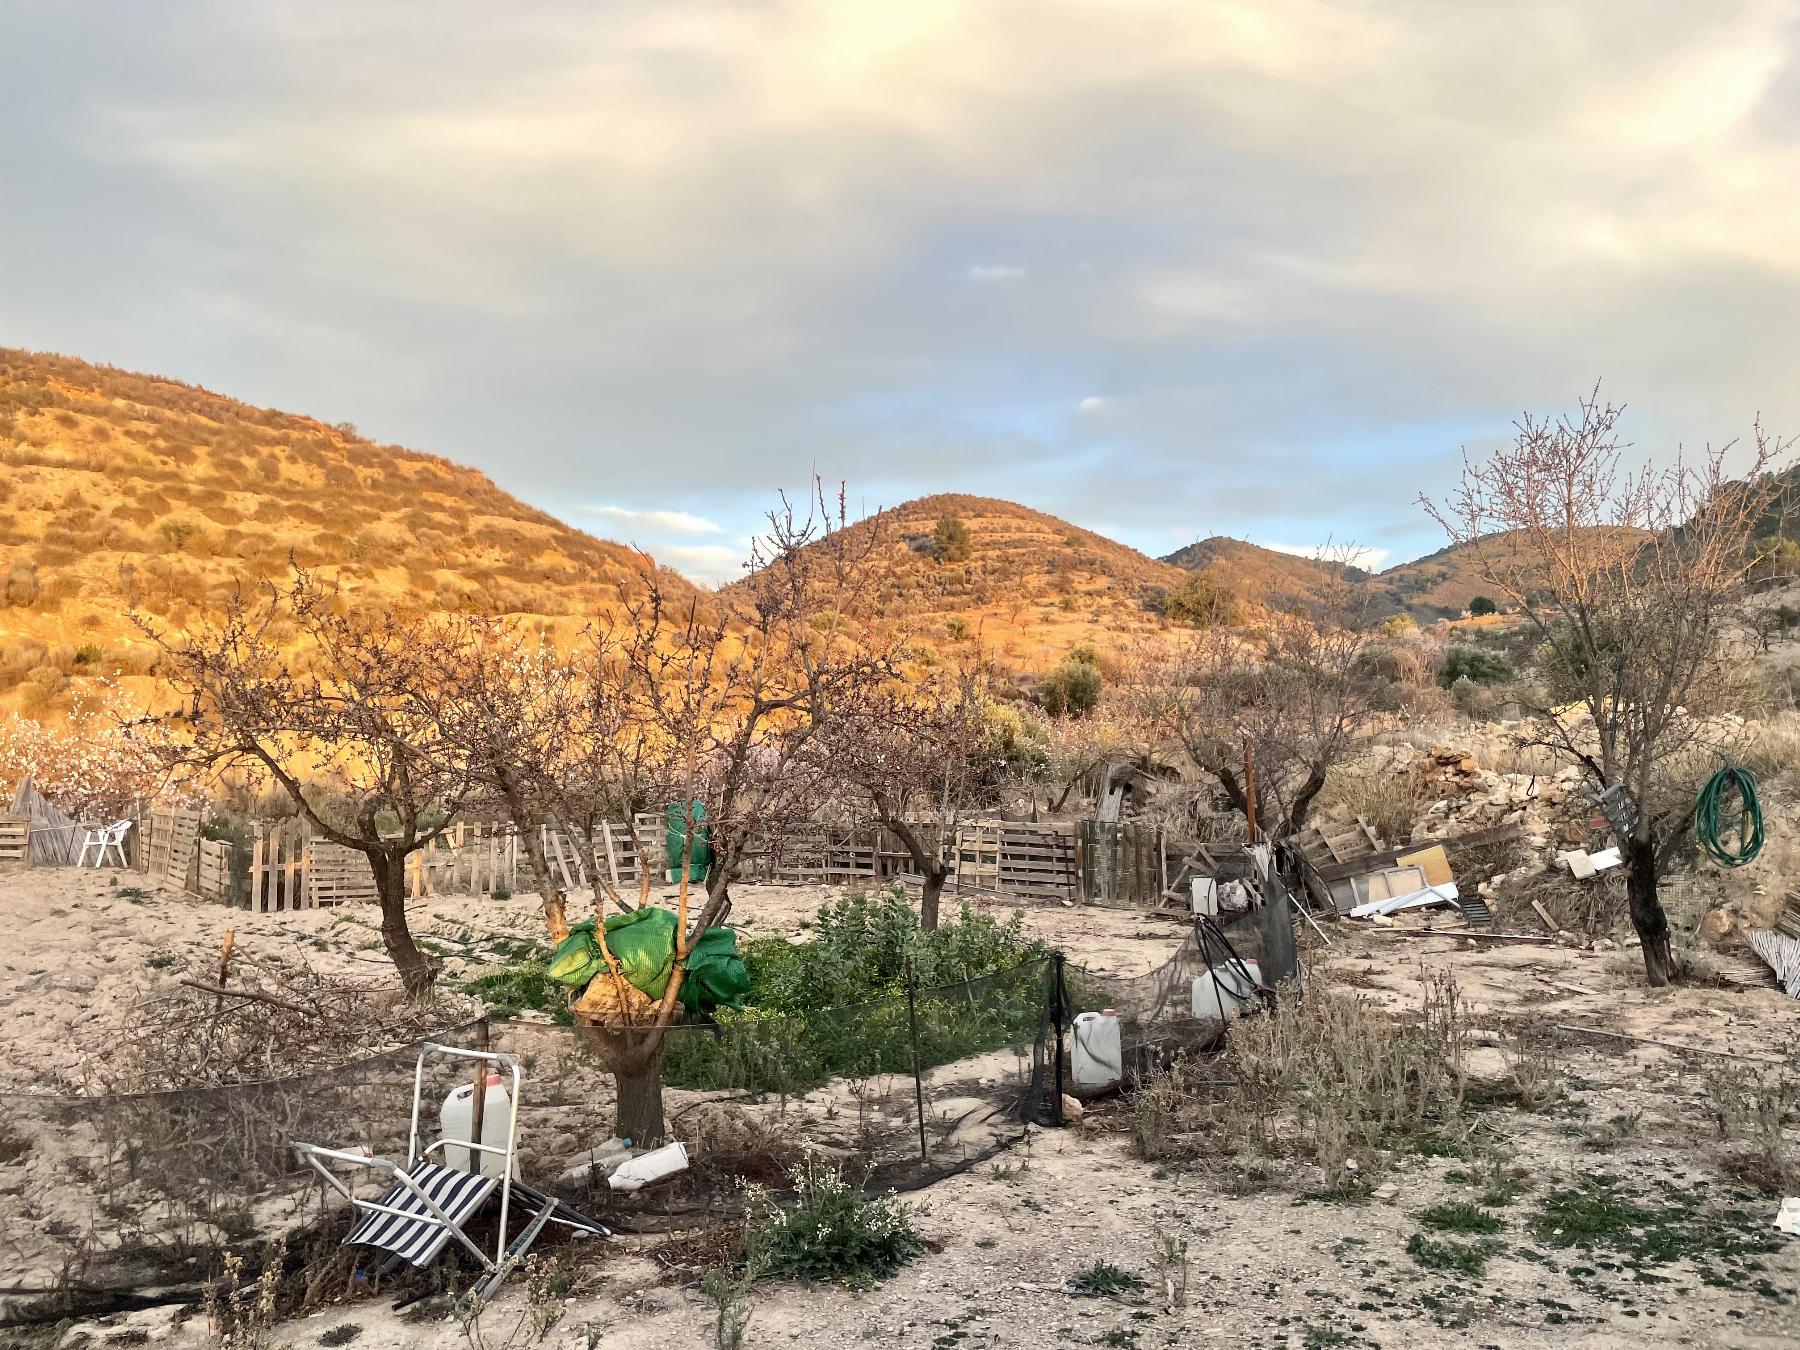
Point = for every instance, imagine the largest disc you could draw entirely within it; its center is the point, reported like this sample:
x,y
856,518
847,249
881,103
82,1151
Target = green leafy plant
x,y
1475,664
1103,1280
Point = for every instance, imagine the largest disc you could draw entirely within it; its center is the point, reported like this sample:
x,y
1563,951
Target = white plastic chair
x,y
102,840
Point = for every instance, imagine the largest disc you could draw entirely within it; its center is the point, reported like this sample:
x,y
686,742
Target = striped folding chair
x,y
428,1204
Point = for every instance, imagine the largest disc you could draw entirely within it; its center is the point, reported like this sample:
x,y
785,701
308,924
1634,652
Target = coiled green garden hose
x,y
1711,820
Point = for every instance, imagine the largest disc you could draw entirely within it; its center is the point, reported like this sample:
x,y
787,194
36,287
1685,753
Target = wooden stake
x,y
478,1106
1544,914
224,968
1250,788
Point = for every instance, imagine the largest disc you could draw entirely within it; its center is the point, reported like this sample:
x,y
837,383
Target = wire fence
x,y
137,1197
106,1200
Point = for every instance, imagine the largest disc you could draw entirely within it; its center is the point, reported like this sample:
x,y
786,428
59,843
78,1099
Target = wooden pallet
x,y
15,838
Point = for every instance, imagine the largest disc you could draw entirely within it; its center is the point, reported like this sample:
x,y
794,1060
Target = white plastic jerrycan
x,y
1097,1059
456,1121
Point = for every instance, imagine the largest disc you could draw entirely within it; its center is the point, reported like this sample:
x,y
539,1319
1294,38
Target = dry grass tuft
x,y
1328,1077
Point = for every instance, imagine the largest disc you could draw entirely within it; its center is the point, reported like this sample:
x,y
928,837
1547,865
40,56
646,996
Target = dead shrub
x,y
1329,1077
1753,1107
1392,803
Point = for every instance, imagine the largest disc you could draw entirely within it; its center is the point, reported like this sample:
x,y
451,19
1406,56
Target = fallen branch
x,y
205,988
1670,1045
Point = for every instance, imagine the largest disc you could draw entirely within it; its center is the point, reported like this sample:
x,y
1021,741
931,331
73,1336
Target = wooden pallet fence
x,y
214,870
174,841
1035,861
1122,864
15,838
823,854
278,867
336,875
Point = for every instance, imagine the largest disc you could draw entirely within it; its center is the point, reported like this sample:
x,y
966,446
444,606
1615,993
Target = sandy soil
x,y
1266,1266
83,946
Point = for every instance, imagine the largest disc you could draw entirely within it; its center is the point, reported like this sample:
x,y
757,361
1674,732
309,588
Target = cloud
x,y
684,253
667,522
1369,559
708,564
1093,403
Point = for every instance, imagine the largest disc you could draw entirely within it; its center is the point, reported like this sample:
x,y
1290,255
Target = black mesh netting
x,y
1227,964
102,1197
138,1196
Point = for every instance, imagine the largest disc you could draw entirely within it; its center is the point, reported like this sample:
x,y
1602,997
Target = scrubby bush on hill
x,y
1073,688
1202,601
1476,665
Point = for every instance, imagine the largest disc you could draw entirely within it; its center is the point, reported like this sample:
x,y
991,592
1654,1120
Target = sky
x,y
1166,269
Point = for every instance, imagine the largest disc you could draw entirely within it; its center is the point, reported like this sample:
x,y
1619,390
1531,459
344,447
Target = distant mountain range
x,y
105,473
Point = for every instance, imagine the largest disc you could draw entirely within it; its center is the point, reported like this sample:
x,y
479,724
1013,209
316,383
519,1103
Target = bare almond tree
x,y
728,699
506,705
1630,581
1293,699
910,756
304,685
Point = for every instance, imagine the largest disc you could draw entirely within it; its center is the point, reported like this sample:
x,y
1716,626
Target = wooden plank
x,y
214,875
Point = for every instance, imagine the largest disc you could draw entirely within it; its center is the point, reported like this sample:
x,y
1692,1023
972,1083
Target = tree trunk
x,y
935,874
1647,915
640,1113
932,868
417,972
550,895
1303,801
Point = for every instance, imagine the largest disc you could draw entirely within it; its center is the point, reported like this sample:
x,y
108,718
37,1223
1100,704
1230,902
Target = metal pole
x,y
1059,1007
912,1020
478,1103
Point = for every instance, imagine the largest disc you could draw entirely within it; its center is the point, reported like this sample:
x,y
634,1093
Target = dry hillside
x,y
1439,585
1258,575
107,476
1031,586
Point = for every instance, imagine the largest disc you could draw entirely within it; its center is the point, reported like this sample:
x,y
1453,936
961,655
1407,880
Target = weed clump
x,y
1329,1077
1465,1258
833,1232
1103,1280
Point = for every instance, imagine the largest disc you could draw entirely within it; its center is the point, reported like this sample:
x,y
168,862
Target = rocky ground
x,y
1618,1213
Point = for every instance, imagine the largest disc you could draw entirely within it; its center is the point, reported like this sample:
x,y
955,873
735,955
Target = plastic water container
x,y
456,1121
1206,895
1096,1058
1214,991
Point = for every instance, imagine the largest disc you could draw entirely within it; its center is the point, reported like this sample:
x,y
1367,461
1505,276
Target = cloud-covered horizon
x,y
1195,268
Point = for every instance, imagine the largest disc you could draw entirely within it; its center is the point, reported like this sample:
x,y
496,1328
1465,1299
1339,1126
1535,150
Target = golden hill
x,y
106,474
1261,576
1030,587
1441,585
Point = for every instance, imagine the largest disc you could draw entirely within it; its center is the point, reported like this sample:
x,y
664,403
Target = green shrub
x,y
1481,606
1475,664
980,987
1202,601
951,541
833,1232
1072,689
